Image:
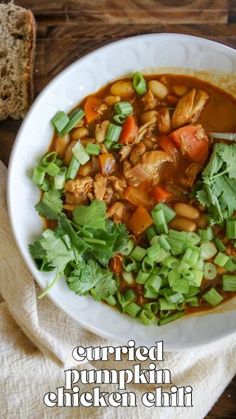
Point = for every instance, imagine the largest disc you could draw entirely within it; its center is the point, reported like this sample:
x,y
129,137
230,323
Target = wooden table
x,y
68,29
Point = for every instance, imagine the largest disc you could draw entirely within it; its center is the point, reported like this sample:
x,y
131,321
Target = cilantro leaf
x,y
92,215
228,155
217,190
50,206
40,257
56,250
89,276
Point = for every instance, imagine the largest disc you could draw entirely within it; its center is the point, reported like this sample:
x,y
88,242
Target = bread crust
x,y
20,88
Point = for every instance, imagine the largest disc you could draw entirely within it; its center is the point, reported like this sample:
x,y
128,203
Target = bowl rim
x,y
10,205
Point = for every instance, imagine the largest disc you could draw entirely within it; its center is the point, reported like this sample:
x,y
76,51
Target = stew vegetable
x,y
139,203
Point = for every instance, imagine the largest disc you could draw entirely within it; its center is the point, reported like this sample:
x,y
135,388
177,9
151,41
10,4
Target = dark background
x,y
66,30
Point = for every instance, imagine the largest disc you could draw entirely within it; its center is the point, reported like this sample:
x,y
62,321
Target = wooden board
x,y
68,29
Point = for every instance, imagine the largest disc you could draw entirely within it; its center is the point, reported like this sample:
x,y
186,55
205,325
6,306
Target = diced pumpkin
x,y
140,221
137,197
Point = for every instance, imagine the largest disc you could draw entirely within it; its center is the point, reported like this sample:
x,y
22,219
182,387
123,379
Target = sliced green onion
x,y
163,242
190,257
46,185
138,253
147,265
127,248
231,228
123,108
212,297
181,285
111,300
128,277
150,293
38,175
168,212
192,238
182,266
229,283
206,235
153,307
147,317
208,250
170,262
139,83
75,117
173,276
133,309
150,232
60,120
119,119
230,265
170,318
163,272
188,274
142,277
175,298
129,264
221,259
192,292
198,277
166,305
154,282
93,149
160,221
79,152
176,240
152,252
193,301
154,240
52,169
210,271
49,158
113,132
73,168
219,244
60,178
129,296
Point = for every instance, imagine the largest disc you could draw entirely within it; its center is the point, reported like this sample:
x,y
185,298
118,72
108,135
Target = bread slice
x,y
17,45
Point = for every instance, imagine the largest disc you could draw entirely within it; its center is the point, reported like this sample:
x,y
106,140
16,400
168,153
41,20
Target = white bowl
x,y
150,53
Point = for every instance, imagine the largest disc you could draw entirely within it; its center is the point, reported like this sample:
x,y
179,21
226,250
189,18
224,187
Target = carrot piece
x,y
140,221
137,197
129,131
160,194
115,264
107,163
90,108
192,141
167,145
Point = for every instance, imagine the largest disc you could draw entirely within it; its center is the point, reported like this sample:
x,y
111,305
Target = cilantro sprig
x,y
80,249
217,189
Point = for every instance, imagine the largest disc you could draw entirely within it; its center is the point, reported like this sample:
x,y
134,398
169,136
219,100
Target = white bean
x,y
122,88
185,210
158,89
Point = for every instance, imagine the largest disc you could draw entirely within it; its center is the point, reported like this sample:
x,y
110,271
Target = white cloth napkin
x,y
37,339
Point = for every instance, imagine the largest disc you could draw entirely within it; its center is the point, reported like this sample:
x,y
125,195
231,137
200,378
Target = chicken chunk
x,y
149,101
151,162
77,191
137,152
100,184
119,184
116,211
125,152
189,107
